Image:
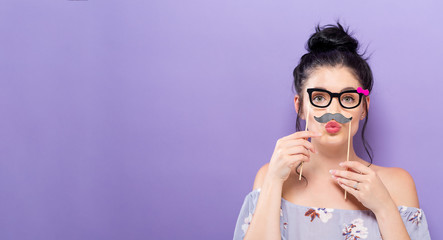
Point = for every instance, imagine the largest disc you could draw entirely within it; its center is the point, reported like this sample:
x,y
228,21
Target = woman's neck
x,y
328,157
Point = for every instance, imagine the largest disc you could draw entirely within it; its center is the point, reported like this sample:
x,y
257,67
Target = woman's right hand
x,y
288,153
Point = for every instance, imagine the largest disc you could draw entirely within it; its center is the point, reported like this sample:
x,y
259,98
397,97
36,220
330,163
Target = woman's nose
x,y
335,105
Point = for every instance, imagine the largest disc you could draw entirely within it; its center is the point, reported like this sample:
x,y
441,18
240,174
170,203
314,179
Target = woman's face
x,y
333,79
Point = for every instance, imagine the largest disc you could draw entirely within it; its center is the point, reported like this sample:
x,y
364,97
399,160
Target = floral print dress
x,y
301,222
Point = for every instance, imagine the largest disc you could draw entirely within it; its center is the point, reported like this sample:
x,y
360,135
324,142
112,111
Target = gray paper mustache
x,y
329,116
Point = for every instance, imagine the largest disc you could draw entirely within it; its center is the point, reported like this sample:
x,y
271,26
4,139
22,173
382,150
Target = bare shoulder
x,y
260,177
400,184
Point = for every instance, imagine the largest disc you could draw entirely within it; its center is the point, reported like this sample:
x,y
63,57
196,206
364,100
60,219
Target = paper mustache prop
x,y
329,116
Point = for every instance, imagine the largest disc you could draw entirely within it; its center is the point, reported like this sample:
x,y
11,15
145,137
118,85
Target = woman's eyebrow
x,y
344,89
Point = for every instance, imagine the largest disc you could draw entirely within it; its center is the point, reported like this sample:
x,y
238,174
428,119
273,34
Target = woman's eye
x,y
318,98
348,99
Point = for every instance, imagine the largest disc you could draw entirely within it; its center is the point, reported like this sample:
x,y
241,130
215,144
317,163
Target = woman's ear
x,y
297,104
366,109
367,101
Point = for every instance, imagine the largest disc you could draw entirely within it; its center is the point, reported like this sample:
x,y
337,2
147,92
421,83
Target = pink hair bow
x,y
365,91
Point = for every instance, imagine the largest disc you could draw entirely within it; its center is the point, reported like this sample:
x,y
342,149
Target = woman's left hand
x,y
371,191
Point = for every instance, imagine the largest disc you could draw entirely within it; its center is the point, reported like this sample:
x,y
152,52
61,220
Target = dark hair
x,y
333,46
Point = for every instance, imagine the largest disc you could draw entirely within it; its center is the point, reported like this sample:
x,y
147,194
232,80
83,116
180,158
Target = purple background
x,y
149,119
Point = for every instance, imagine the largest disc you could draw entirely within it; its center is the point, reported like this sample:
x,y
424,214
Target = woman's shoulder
x,y
400,185
260,177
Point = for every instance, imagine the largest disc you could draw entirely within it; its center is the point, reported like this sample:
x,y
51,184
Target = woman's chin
x,y
333,139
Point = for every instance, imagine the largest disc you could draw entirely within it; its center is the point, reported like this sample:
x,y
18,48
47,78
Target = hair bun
x,y
332,37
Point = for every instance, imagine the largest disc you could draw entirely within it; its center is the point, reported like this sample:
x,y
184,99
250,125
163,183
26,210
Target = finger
x,y
356,166
296,160
347,182
347,188
298,142
349,175
298,150
302,134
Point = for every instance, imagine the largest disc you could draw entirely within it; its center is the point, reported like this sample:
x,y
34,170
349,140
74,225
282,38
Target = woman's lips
x,y
332,127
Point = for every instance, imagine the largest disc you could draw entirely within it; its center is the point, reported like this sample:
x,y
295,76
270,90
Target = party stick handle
x,y
349,143
306,128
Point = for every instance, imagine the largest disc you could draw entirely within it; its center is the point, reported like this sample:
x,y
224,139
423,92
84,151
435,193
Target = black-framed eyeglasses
x,y
322,98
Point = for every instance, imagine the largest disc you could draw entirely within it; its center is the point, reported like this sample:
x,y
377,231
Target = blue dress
x,y
301,222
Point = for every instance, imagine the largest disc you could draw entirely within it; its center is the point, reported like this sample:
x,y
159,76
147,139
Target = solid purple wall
x,y
150,119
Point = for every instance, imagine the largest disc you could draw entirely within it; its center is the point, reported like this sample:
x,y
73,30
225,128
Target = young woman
x,y
333,82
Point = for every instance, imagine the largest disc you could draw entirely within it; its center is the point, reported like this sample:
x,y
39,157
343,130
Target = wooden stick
x,y
306,127
349,143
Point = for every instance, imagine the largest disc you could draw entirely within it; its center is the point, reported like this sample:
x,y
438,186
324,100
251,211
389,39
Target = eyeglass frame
x,y
332,95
